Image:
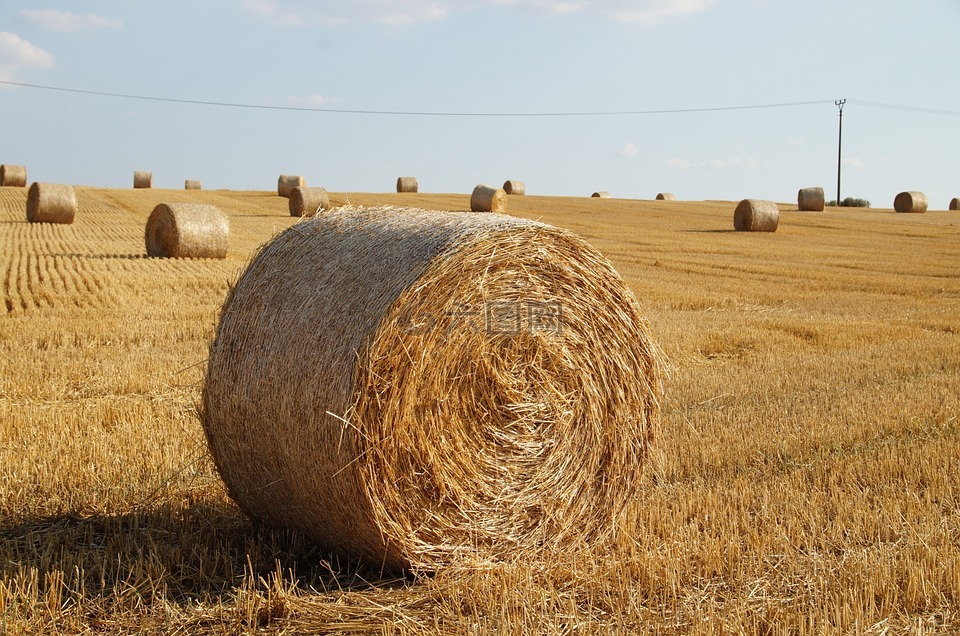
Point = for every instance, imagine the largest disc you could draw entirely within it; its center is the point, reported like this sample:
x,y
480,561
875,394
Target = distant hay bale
x,y
754,215
487,199
287,182
810,200
601,195
666,196
514,187
308,201
915,202
407,184
415,389
187,230
51,203
955,203
13,176
142,179
192,184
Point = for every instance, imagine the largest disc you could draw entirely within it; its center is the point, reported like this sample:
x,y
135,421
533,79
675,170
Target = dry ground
x,y
806,476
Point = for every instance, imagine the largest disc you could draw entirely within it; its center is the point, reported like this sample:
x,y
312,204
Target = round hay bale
x,y
915,202
187,230
754,215
51,203
666,196
417,388
192,184
287,182
487,199
601,195
407,184
142,179
308,201
13,176
811,200
955,203
512,186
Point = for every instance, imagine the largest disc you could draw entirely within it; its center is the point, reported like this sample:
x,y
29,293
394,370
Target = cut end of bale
x,y
755,215
51,203
13,176
142,179
955,203
187,230
514,187
910,202
442,387
666,196
811,200
601,195
407,184
192,184
488,199
287,182
308,201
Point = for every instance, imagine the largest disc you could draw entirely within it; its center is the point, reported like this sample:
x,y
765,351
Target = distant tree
x,y
850,202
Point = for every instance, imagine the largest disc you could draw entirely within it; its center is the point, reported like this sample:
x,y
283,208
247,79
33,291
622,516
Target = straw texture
x,y
13,176
418,388
514,187
955,203
754,215
915,202
142,179
666,196
308,201
487,199
51,203
287,182
407,184
811,200
601,195
192,184
187,230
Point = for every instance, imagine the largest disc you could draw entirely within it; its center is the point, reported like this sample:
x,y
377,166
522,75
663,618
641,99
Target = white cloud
x,y
794,141
306,13
630,150
855,163
749,163
16,53
312,101
56,20
302,13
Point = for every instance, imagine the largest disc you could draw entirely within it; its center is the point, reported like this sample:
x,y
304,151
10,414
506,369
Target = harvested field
x,y
804,478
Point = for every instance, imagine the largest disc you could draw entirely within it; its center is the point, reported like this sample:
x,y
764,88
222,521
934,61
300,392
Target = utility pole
x,y
839,103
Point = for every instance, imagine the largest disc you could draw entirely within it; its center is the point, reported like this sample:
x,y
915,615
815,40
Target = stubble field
x,y
805,476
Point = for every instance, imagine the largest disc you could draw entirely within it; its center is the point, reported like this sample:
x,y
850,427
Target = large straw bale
x,y
955,203
308,201
287,182
754,215
51,203
13,176
811,200
487,199
514,187
666,196
915,202
418,388
187,230
192,184
603,194
407,184
142,179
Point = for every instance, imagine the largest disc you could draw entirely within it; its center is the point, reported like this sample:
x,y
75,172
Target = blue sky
x,y
490,56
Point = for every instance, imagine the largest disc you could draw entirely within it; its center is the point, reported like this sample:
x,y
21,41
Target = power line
x,y
909,109
408,113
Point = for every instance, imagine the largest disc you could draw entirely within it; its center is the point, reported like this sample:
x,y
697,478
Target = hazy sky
x,y
503,57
